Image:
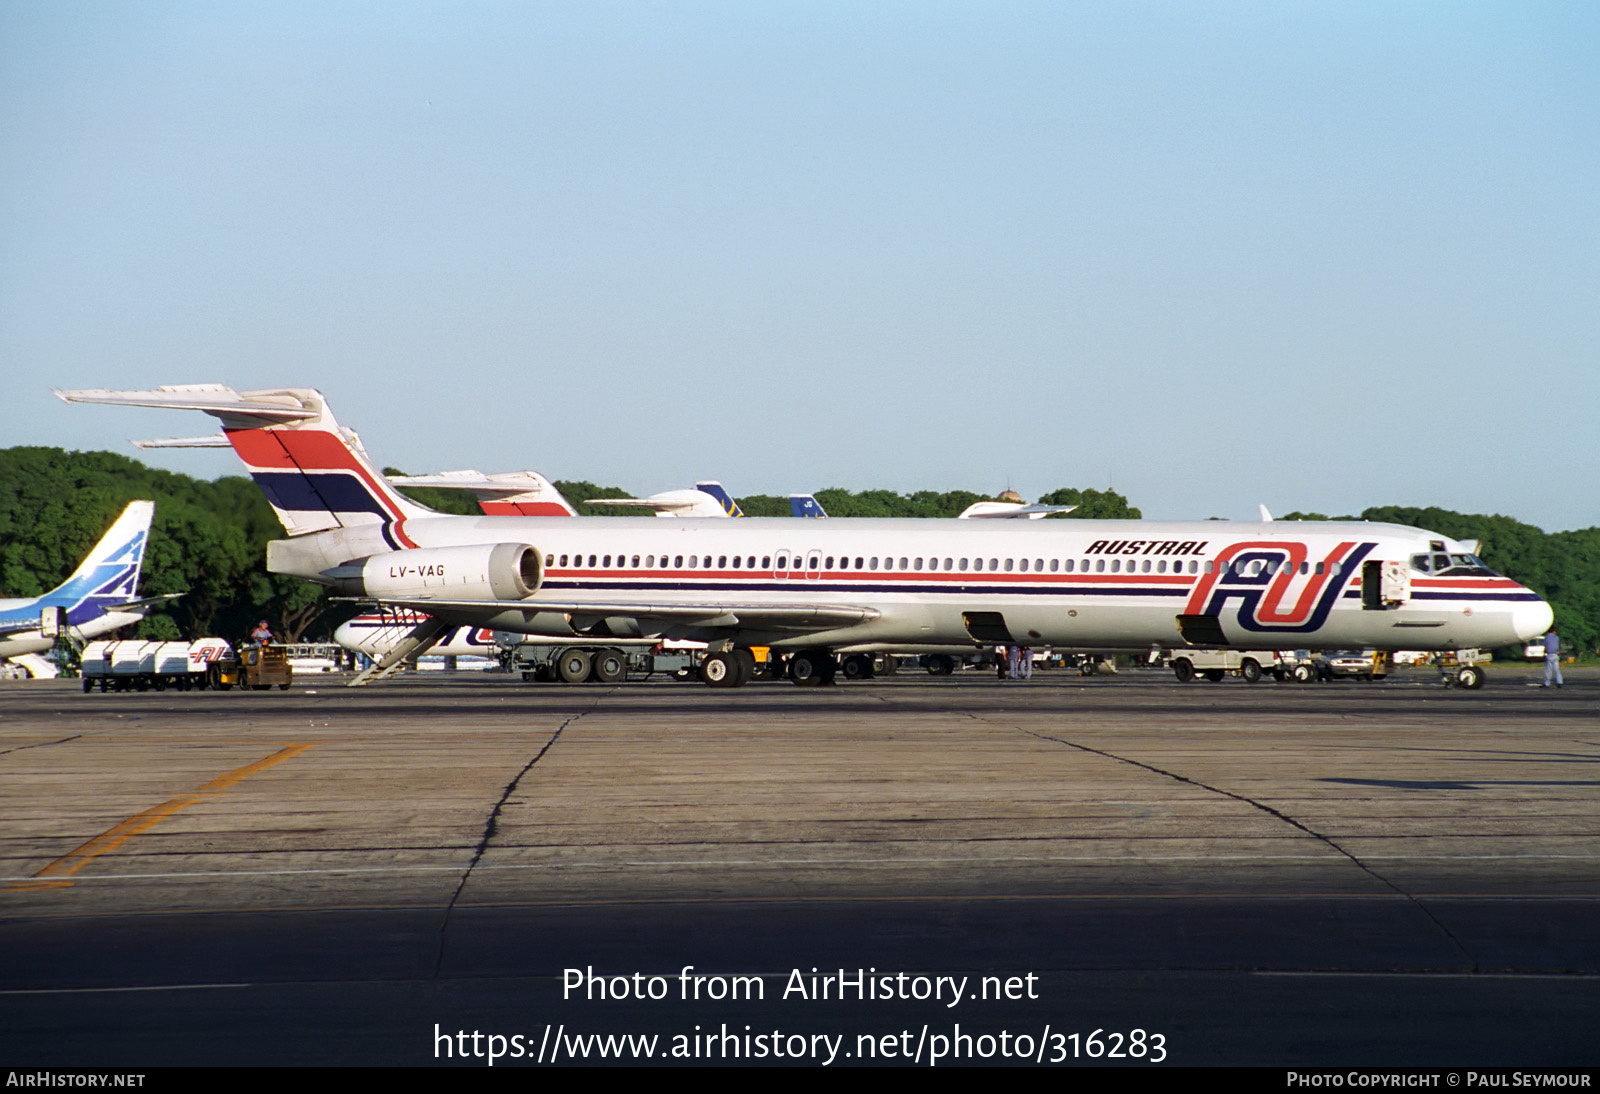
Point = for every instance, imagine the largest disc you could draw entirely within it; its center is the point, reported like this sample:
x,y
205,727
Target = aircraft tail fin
x,y
314,472
729,506
110,570
804,505
510,493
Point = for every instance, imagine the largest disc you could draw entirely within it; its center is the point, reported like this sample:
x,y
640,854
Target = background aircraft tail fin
x,y
111,568
804,505
729,506
510,493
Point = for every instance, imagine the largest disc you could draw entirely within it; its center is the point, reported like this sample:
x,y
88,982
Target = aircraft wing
x,y
797,617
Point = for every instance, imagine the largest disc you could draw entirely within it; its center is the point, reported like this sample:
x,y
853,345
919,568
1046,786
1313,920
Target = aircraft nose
x,y
1531,619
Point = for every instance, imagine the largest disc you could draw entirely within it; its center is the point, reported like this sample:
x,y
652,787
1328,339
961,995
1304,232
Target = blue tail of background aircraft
x,y
729,506
804,505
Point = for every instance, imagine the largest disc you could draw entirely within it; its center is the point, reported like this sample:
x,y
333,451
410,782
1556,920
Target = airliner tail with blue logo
x,y
101,595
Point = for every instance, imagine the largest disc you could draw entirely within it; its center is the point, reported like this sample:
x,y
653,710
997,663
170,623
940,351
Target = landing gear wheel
x,y
1470,677
724,670
1250,669
573,666
609,667
812,667
1303,674
1183,669
941,664
858,666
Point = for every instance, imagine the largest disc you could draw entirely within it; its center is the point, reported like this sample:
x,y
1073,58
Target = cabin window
x,y
692,560
1099,565
1010,564
1161,566
1071,565
872,562
903,564
563,560
961,563
828,563
949,564
736,561
1146,567
1055,564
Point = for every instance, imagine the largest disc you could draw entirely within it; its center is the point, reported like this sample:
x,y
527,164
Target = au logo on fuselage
x,y
1273,594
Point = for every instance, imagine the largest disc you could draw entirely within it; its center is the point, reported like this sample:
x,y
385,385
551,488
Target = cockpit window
x,y
1455,565
1467,564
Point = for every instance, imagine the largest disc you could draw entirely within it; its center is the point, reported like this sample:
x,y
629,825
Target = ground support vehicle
x,y
1366,665
1464,668
139,665
1297,665
1248,665
255,667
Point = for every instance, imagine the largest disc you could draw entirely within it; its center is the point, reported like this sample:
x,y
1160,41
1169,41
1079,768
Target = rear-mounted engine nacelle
x,y
485,571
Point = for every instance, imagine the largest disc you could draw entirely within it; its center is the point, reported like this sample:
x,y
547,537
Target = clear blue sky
x,y
1317,255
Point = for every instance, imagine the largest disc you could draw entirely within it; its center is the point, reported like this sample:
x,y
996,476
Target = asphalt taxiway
x,y
1394,873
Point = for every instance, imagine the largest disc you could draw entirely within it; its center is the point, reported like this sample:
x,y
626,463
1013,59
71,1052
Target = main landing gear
x,y
810,668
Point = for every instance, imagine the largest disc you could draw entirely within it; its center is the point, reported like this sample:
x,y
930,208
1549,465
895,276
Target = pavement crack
x,y
1277,814
493,823
40,744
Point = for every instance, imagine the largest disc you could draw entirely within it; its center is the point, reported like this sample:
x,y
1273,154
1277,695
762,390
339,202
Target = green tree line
x,y
208,539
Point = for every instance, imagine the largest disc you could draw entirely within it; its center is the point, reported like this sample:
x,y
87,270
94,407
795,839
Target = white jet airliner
x,y
818,588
